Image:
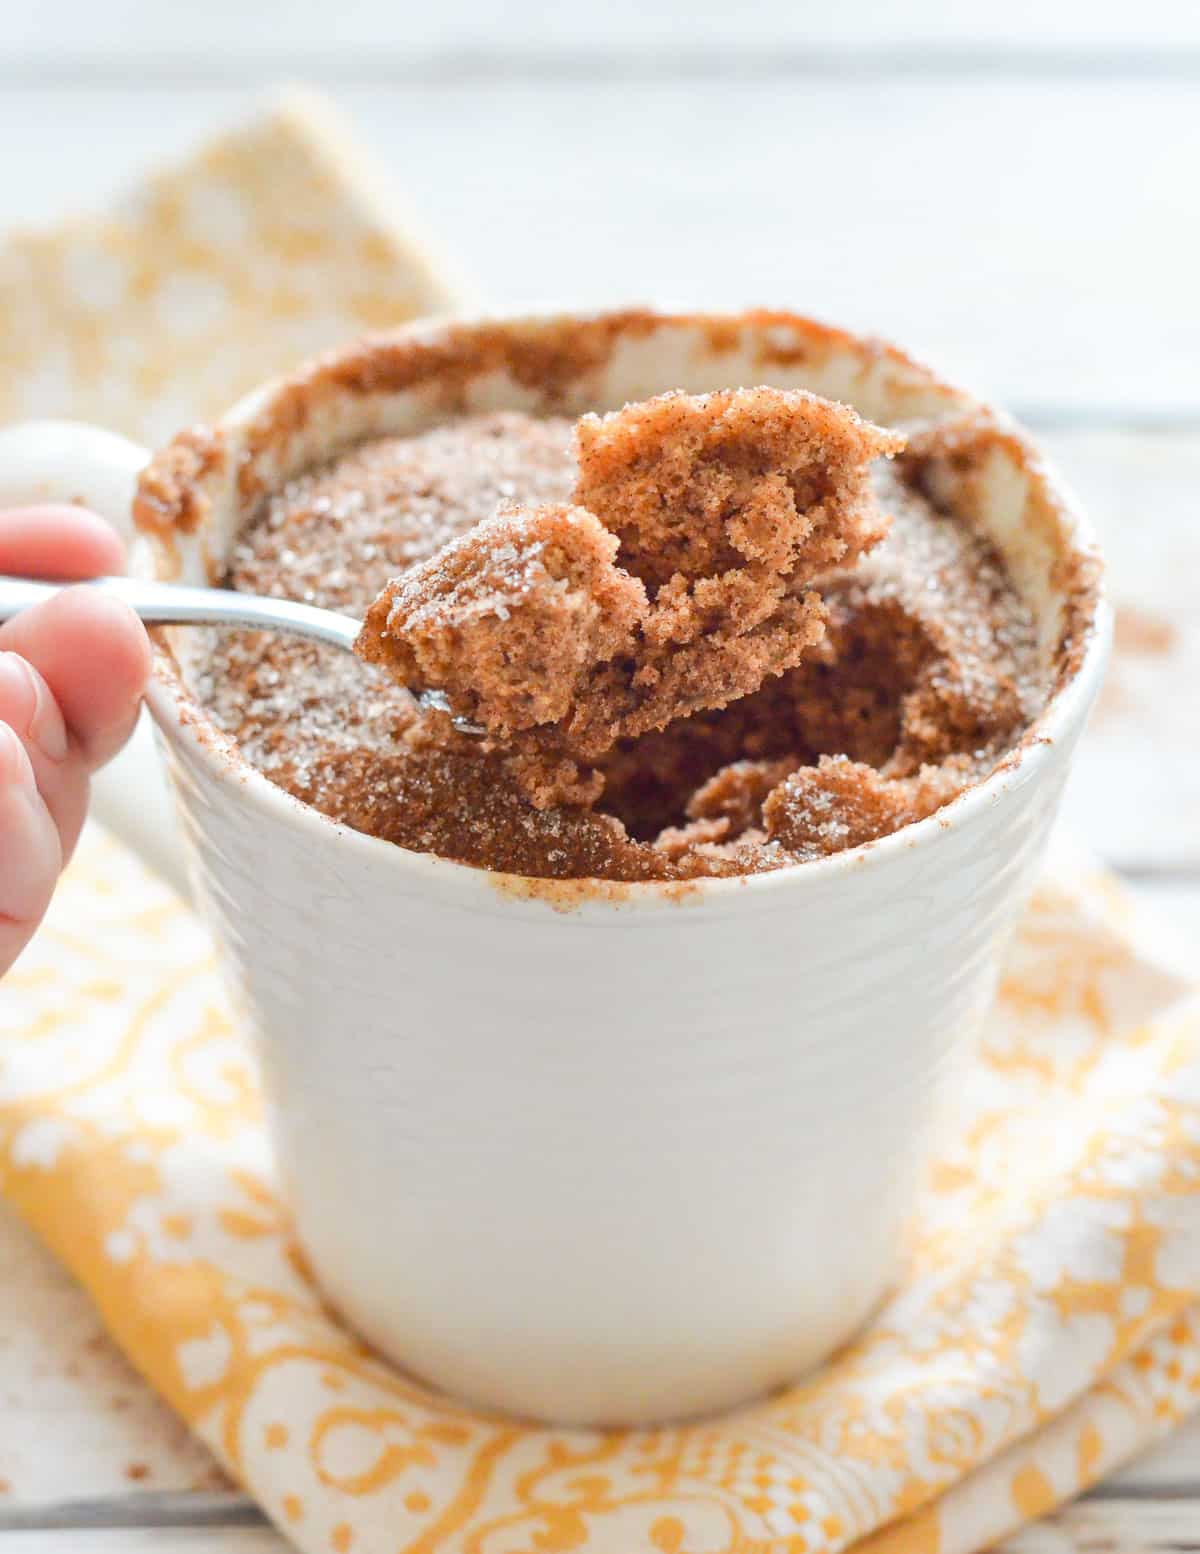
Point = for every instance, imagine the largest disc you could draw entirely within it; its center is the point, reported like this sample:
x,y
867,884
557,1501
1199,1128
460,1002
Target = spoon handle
x,y
174,604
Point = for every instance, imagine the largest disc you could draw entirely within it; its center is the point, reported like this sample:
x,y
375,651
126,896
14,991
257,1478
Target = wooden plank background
x,y
1011,190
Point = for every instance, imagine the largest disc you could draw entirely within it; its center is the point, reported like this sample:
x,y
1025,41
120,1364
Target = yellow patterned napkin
x,y
1043,1330
275,241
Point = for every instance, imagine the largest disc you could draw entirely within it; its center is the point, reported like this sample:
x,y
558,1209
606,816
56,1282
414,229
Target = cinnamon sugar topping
x,y
695,650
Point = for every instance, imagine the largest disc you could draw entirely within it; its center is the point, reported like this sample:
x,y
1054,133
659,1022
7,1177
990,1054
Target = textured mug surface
x,y
594,1152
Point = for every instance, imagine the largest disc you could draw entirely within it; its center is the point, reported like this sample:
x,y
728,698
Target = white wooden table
x,y
1010,190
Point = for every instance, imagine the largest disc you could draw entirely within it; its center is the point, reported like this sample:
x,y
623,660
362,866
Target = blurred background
x,y
1008,189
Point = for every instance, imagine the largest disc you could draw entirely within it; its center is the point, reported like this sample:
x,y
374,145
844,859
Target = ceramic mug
x,y
602,1154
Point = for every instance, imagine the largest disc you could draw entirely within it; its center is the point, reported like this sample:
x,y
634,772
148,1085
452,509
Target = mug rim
x,y
181,717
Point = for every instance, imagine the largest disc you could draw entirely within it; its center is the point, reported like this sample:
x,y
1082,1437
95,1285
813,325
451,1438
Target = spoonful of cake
x,y
677,580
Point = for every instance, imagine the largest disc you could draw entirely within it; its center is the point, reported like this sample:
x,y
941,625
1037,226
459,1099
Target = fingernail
x,y
43,724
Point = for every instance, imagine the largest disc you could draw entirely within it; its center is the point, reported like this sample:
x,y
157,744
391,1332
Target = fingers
x,y
28,708
58,541
94,655
72,672
30,853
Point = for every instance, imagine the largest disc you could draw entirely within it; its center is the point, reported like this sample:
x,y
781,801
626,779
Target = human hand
x,y
72,672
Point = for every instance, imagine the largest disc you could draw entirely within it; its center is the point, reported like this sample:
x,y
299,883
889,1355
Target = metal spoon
x,y
173,604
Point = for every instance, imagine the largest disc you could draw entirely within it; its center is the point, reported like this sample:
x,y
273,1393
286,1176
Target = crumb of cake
x,y
726,507
509,618
839,803
730,489
678,842
734,796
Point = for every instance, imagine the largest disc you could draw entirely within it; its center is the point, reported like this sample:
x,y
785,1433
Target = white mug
x,y
601,1154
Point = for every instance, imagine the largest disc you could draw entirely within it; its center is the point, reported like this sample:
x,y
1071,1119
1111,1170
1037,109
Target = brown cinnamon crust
x,y
171,492
555,360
